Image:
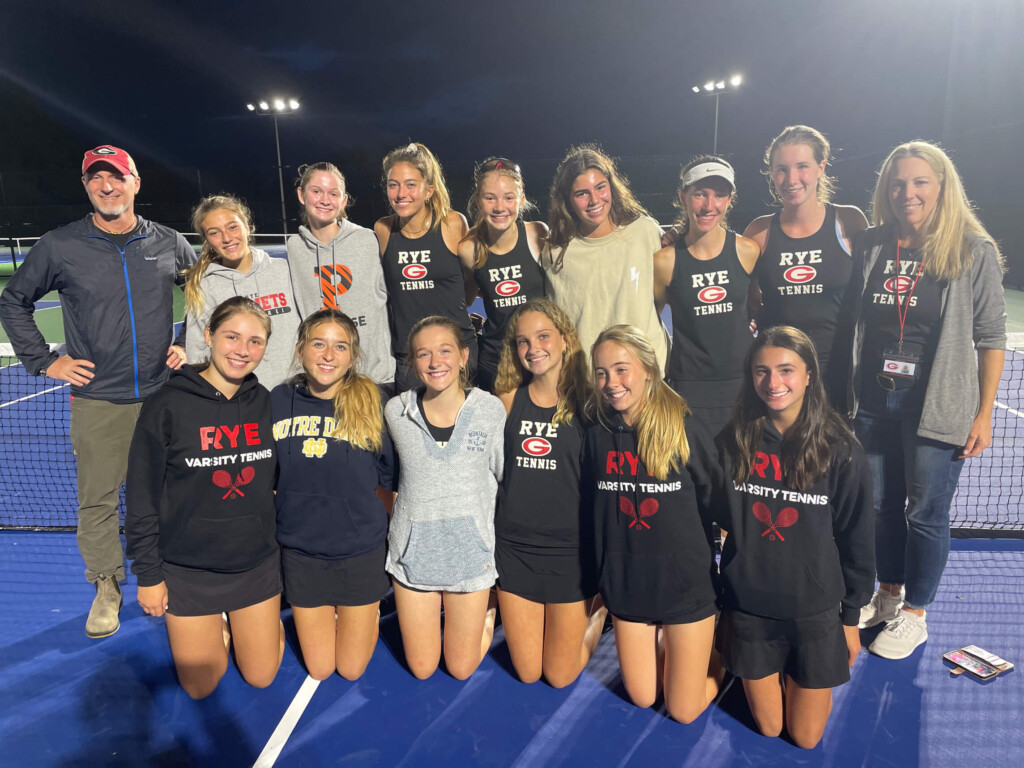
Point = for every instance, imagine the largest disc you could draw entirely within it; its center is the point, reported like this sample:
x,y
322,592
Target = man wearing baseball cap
x,y
115,273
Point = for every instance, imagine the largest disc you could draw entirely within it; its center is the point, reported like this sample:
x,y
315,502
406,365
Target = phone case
x,y
974,667
989,658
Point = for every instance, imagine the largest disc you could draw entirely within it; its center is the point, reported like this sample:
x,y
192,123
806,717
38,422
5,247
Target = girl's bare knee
x,y
686,712
560,677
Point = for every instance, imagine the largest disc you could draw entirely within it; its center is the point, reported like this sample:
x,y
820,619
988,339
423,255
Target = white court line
x,y
284,728
35,394
1016,413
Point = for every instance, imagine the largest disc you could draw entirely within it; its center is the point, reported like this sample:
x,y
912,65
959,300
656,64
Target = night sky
x,y
169,82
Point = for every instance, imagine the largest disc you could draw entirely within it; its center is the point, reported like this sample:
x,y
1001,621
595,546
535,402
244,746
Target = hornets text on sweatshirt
x,y
346,274
268,284
654,557
791,554
326,501
200,488
442,529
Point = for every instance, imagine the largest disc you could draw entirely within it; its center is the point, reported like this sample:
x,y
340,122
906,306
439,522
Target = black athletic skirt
x,y
310,582
197,592
544,574
811,650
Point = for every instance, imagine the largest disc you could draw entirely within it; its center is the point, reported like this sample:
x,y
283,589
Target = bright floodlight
x,y
696,89
278,104
720,84
709,86
264,106
293,104
735,80
251,107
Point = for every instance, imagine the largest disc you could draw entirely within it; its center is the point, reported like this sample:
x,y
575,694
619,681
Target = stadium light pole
x,y
716,88
273,108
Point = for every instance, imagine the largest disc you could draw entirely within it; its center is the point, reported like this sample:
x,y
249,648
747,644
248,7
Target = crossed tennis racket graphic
x,y
648,507
222,479
787,517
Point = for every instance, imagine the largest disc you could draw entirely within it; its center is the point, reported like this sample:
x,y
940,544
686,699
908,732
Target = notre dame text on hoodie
x,y
200,479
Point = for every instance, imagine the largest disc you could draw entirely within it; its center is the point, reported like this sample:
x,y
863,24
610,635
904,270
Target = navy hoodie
x,y
326,505
795,554
654,557
201,479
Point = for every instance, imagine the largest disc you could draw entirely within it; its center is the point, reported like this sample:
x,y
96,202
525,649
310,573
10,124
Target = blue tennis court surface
x,y
70,701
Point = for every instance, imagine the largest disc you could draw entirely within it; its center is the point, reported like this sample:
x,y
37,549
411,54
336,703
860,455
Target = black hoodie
x,y
654,558
200,489
790,555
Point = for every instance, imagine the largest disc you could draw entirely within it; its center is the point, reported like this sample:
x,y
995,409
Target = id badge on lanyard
x,y
901,368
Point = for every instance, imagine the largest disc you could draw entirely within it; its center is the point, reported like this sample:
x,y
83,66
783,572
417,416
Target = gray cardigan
x,y
442,530
973,315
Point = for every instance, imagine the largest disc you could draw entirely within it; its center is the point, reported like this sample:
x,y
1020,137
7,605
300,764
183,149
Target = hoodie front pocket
x,y
445,552
229,540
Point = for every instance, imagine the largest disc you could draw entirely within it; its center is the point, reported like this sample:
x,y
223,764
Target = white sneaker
x,y
883,607
901,636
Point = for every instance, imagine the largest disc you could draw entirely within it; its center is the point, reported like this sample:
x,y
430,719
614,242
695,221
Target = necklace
x,y
135,220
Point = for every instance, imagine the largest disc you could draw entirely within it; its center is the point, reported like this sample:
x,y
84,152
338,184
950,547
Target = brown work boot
x,y
103,621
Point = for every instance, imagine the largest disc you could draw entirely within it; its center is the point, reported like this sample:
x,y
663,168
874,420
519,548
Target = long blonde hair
x,y
660,429
572,378
563,222
478,232
422,159
357,407
944,250
208,254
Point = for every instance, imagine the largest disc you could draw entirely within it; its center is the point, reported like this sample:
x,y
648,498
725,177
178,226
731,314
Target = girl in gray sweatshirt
x,y
228,267
441,544
335,264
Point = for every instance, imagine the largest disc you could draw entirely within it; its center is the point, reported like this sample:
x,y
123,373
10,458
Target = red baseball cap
x,y
112,155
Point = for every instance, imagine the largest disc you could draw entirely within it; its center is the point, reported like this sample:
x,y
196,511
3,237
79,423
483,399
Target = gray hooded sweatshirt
x,y
269,285
346,274
442,531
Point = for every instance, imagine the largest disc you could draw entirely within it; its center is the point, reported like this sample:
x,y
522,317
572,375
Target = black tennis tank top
x,y
803,281
423,278
710,322
506,282
540,498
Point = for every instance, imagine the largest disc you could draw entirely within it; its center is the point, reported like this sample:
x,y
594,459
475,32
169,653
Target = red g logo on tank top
x,y
801,274
712,294
507,288
414,272
536,446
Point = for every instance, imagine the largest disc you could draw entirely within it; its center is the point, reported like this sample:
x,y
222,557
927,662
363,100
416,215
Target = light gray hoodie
x,y
269,285
442,530
346,274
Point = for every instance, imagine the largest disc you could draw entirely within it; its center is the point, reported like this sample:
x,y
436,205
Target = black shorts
x,y
811,650
310,582
197,592
712,401
544,575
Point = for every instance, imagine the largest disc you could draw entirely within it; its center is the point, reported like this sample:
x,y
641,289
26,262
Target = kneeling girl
x,y
798,563
648,476
200,508
441,545
333,454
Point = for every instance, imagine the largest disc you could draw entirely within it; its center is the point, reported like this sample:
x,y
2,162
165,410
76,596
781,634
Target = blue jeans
x,y
914,481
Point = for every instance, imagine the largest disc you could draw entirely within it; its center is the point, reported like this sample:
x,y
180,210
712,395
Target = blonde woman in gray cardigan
x,y
441,544
931,296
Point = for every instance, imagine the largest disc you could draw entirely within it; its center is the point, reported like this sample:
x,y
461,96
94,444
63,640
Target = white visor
x,y
706,170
